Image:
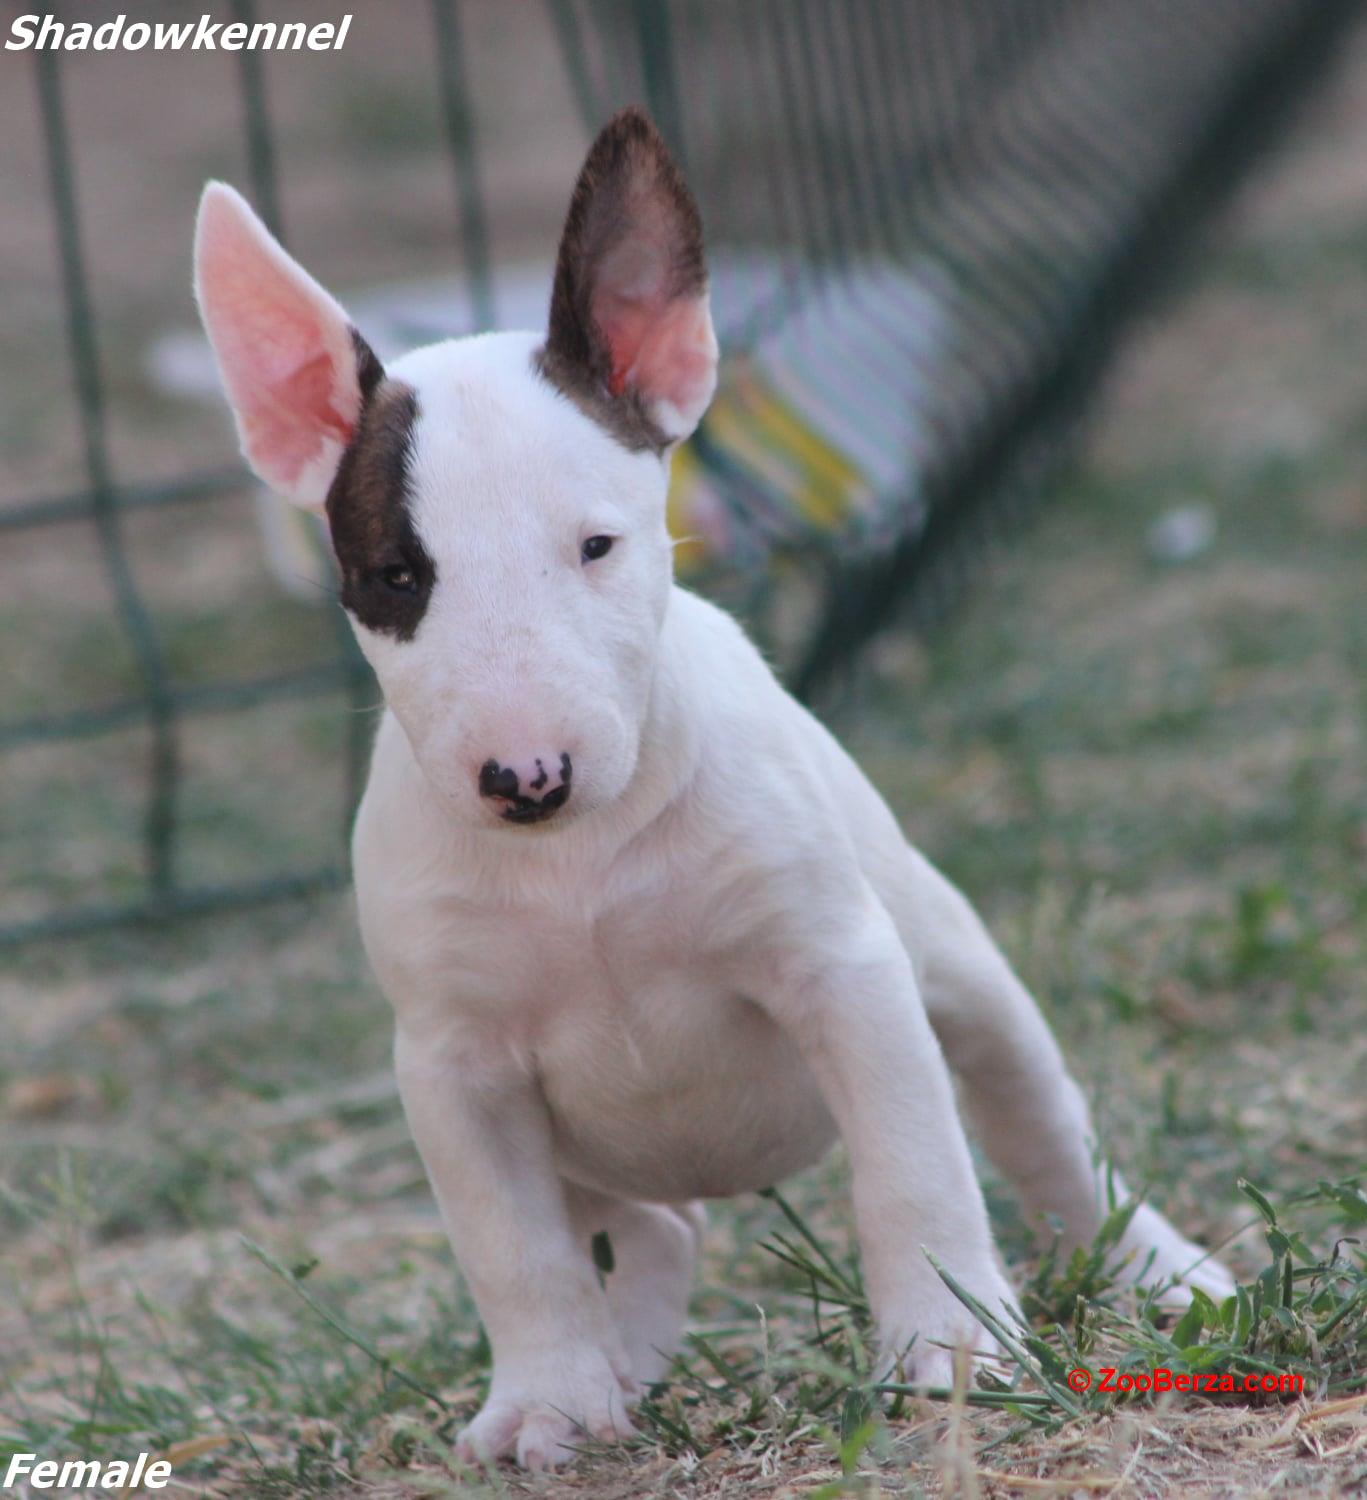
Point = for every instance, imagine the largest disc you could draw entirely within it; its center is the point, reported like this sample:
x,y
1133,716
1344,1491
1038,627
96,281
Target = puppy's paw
x,y
1155,1254
929,1324
542,1417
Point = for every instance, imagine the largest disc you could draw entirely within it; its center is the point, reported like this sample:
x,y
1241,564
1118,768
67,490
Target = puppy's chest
x,y
661,1077
622,992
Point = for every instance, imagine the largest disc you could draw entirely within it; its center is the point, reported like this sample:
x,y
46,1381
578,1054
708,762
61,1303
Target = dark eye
x,y
401,578
595,547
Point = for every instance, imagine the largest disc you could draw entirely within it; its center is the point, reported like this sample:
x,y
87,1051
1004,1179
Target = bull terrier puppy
x,y
649,934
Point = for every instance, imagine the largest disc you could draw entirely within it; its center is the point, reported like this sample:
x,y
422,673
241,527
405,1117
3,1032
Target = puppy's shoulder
x,y
768,767
721,669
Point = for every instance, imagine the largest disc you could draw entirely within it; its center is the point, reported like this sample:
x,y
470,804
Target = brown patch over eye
x,y
387,575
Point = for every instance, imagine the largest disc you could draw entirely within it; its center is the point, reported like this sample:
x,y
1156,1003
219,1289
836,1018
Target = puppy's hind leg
x,y
1027,1111
654,1247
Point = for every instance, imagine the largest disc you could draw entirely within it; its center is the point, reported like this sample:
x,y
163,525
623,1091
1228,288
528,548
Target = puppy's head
x,y
496,504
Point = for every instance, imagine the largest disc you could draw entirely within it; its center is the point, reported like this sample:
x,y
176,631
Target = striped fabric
x,y
816,431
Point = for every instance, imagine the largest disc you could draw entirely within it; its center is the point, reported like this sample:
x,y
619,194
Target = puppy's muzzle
x,y
527,791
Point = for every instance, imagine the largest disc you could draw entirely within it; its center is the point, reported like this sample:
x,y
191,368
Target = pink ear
x,y
290,361
661,345
630,318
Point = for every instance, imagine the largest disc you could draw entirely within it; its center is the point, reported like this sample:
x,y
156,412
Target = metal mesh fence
x,y
928,219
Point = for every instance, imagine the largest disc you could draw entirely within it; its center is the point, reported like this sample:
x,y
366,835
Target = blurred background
x,y
928,224
936,232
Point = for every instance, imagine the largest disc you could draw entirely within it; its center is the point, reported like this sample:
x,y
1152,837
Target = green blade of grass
x,y
341,1329
997,1399
1005,1338
855,1293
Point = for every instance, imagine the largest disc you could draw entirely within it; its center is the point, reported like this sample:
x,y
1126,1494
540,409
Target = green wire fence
x,y
929,221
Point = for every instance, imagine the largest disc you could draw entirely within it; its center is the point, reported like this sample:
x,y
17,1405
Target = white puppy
x,y
649,934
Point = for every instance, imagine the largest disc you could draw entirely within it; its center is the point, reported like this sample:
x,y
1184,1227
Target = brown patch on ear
x,y
368,511
369,370
629,186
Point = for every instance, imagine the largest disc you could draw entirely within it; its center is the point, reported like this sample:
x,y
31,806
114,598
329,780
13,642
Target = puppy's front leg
x,y
559,1367
847,994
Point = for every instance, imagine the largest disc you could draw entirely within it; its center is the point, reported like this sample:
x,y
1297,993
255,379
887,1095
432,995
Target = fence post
x,y
460,141
83,349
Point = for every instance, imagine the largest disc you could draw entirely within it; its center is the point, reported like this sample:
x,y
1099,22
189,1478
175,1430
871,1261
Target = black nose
x,y
530,790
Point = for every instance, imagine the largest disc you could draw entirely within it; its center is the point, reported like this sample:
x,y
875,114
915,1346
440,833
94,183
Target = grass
x,y
215,1239
326,1389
